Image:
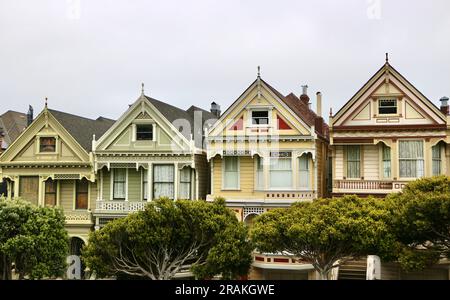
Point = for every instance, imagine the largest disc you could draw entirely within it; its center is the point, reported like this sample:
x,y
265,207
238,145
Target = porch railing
x,y
120,206
363,185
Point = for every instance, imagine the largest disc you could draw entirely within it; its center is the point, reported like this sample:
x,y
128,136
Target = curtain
x,y
436,150
353,162
303,167
119,184
281,172
185,183
386,161
259,173
231,172
163,181
411,160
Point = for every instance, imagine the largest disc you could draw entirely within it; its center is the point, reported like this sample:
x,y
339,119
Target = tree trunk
x,y
323,274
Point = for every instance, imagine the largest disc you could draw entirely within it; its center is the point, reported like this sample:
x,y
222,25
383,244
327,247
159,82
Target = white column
x,y
212,176
41,191
150,182
9,189
58,194
176,181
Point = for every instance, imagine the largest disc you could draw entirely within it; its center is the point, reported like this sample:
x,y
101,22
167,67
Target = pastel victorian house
x,y
50,164
153,150
268,151
387,135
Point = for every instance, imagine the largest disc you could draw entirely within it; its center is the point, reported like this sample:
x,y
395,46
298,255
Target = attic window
x,y
47,144
144,132
260,117
387,107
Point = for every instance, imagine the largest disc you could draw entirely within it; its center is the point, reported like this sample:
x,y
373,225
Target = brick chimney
x,y
30,115
444,105
215,109
304,96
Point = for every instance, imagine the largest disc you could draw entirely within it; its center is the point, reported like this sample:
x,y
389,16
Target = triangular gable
x,y
282,124
238,125
259,94
119,136
26,147
388,84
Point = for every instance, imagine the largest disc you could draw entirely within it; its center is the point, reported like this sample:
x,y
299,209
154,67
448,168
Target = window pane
x,y
231,172
353,161
386,161
47,144
411,161
436,151
387,106
82,187
50,192
185,183
303,164
145,184
144,132
260,117
163,181
281,173
119,184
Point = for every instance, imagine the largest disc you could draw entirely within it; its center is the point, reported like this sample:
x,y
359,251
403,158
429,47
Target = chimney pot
x,y
30,115
444,105
215,109
319,104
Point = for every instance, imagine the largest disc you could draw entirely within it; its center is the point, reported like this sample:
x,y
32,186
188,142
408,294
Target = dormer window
x,y
387,106
47,144
144,132
260,117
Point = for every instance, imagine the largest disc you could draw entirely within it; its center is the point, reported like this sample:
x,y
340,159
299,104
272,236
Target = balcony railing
x,y
366,185
78,217
120,206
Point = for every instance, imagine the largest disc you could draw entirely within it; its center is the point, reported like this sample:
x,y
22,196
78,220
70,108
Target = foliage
x,y
168,235
33,239
325,231
420,220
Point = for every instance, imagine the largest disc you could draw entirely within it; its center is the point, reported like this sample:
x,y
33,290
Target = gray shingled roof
x,y
82,129
172,113
12,124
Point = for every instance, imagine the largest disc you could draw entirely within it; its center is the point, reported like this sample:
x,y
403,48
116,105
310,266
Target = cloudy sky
x,y
89,57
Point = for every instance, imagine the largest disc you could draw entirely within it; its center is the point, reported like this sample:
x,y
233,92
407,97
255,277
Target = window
x,y
260,117
386,155
231,173
50,192
437,159
119,184
47,144
29,188
145,184
353,162
411,161
163,181
144,132
387,106
82,194
185,183
281,170
303,168
259,173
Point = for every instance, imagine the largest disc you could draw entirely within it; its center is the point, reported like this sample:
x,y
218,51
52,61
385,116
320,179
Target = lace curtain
x,y
163,181
386,161
185,183
281,172
119,184
231,172
304,174
411,160
437,160
353,162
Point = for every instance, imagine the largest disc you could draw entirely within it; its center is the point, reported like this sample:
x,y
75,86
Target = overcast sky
x,y
89,57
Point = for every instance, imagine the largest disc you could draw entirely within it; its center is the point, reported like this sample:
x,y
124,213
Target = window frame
x,y
286,155
238,171
154,183
259,172
438,159
381,100
40,145
185,182
258,118
411,159
77,192
359,161
53,193
151,126
383,160
113,184
308,169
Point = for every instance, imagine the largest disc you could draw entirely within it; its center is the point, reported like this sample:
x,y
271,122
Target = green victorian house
x,y
51,163
153,150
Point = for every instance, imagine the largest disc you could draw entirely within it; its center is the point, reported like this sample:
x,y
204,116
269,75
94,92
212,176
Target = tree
x,y
33,239
168,236
420,220
325,232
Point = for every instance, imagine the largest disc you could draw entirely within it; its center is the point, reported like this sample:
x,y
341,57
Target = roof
x,y
302,109
173,113
12,124
82,129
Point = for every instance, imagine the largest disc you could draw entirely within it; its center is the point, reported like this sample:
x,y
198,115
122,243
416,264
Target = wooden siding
x,y
66,194
371,166
246,173
339,162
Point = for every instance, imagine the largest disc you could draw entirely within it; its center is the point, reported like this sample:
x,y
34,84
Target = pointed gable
x,y
388,99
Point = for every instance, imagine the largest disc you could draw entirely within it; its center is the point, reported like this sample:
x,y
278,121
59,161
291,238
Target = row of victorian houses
x,y
267,150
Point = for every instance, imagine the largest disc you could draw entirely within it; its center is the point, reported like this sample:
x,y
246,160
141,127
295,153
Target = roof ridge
x,y
77,116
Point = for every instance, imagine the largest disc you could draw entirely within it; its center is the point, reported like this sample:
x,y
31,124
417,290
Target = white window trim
x,y
398,105
293,185
112,186
75,195
238,171
250,117
398,159
38,143
175,177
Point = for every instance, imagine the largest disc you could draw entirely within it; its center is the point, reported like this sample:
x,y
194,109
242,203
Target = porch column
x,y
58,192
41,192
9,186
176,181
150,182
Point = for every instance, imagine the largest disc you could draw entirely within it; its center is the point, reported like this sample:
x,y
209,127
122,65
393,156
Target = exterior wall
x,y
392,271
202,175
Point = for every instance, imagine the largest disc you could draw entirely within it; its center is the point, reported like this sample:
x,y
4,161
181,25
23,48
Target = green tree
x,y
325,232
169,236
420,220
33,239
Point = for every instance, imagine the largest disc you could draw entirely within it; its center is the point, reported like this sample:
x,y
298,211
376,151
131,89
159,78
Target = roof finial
x,y
331,111
387,57
259,71
46,102
142,90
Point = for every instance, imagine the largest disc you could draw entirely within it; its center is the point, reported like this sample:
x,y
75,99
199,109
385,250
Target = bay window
x,y
303,169
411,159
163,181
281,170
386,156
119,184
231,173
353,161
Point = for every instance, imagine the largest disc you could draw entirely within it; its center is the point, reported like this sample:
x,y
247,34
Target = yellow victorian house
x,y
50,163
268,151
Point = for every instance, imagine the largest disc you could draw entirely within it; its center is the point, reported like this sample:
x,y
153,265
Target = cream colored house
x,y
154,150
387,135
50,164
268,151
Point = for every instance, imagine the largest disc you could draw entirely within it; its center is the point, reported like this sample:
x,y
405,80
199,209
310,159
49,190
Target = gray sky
x,y
90,59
